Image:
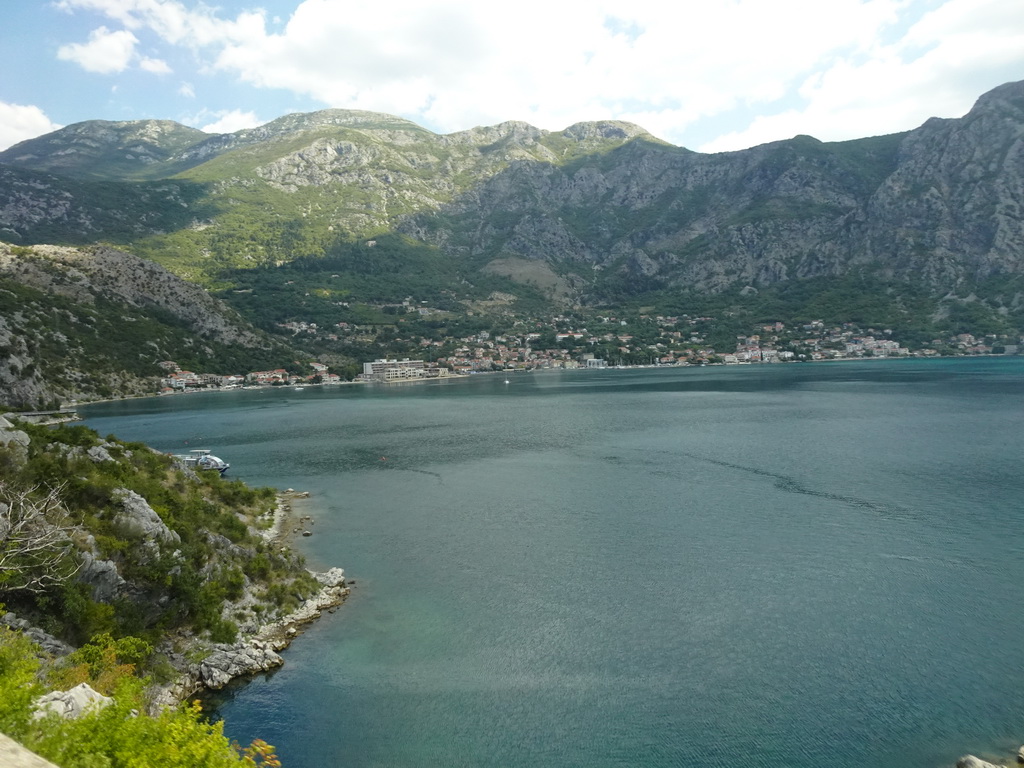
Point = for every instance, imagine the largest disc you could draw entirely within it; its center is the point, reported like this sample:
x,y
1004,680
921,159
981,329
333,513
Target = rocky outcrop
x,y
136,520
12,437
99,454
970,761
73,703
101,576
226,663
47,642
256,652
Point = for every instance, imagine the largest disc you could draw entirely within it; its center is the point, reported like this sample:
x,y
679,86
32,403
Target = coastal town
x,y
562,342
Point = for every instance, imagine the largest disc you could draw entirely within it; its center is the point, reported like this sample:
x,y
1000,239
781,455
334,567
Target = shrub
x,y
118,736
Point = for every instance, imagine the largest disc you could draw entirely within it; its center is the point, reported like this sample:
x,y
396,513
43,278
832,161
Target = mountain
x,y
598,214
940,206
100,149
95,322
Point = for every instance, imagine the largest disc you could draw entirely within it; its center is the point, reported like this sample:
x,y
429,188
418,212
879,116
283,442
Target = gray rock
x,y
102,576
229,662
11,436
44,640
136,519
970,761
335,577
99,454
71,704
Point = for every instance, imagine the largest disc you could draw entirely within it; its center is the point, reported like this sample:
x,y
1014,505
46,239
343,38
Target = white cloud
x,y
171,19
20,122
186,90
763,70
156,66
106,52
456,64
938,68
227,121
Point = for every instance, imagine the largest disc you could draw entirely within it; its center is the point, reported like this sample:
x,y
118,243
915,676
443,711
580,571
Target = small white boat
x,y
201,458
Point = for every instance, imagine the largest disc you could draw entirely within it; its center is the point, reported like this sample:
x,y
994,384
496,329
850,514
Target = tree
x,y
35,540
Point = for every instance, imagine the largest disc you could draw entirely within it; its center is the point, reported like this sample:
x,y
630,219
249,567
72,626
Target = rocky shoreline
x,y
202,665
254,653
256,650
970,761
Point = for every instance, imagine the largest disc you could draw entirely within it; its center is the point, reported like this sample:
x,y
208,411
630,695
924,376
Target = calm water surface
x,y
769,566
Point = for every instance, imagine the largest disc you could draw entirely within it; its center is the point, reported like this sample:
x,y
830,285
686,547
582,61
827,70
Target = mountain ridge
x,y
606,206
88,323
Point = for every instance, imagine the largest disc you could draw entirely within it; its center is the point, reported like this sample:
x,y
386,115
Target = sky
x,y
709,75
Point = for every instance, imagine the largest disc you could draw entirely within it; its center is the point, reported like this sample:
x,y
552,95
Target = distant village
x,y
647,341
177,380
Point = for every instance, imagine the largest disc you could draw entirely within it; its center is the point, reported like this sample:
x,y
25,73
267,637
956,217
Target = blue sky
x,y
712,75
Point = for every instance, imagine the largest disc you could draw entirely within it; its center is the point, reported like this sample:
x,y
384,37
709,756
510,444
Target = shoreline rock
x,y
972,761
196,664
256,652
278,530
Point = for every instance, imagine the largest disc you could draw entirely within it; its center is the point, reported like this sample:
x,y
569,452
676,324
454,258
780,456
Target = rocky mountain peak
x,y
510,131
1009,96
604,129
103,148
348,118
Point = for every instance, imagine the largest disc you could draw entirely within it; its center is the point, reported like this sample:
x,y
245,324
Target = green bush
x,y
119,736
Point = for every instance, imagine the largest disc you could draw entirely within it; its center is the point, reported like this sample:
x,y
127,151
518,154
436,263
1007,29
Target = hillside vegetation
x,y
94,323
145,547
397,236
146,568
610,210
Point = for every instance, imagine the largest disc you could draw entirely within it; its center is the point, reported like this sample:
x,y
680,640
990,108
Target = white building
x,y
399,370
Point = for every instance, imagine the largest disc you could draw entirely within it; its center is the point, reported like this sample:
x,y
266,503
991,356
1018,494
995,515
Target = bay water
x,y
789,565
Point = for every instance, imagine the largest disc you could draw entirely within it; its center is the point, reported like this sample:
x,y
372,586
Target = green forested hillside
x,y
202,550
142,566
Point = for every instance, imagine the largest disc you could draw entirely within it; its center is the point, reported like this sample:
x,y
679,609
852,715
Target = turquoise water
x,y
774,566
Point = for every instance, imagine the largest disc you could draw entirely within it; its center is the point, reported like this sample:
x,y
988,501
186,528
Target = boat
x,y
201,458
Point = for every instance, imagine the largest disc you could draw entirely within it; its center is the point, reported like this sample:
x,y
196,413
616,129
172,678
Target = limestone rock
x,y
102,576
335,577
71,704
99,454
45,640
136,519
970,761
229,662
14,437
